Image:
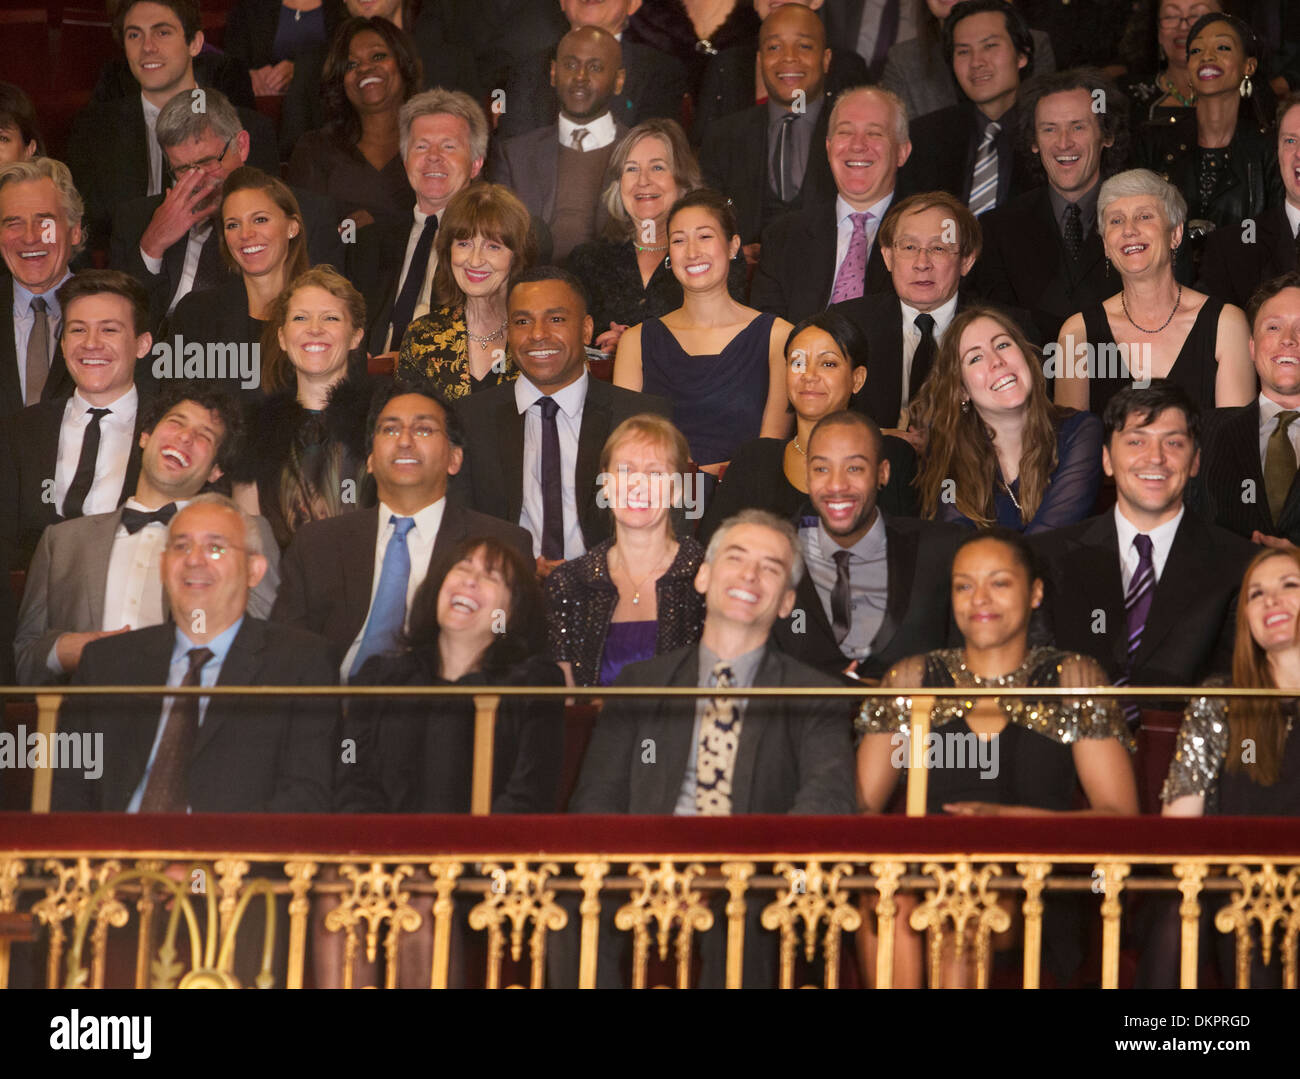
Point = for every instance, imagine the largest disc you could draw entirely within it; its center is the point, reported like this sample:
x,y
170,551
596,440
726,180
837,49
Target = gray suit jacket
x,y
529,165
67,580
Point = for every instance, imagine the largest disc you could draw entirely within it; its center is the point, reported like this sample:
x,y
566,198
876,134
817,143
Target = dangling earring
x,y
965,405
1246,88
668,262
1107,261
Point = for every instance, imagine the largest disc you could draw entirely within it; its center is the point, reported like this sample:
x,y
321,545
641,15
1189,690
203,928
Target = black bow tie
x,y
136,519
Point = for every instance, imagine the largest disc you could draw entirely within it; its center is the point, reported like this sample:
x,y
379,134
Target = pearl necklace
x,y
482,342
1014,501
650,247
1123,302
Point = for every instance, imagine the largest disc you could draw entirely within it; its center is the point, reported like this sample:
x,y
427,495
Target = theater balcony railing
x,y
491,894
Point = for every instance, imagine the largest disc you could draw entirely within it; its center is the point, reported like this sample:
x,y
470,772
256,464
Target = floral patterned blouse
x,y
436,347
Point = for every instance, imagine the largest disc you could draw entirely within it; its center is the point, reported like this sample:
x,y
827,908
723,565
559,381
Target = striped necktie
x,y
1137,605
984,180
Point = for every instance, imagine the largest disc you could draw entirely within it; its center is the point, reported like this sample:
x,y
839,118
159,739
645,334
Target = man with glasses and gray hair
x,y
170,242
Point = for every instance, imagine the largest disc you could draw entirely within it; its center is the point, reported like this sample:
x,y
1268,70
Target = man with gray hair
x,y
169,242
443,141
228,755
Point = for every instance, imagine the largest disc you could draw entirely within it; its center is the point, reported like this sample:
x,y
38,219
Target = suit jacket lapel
x,y
548,177
900,561
359,571
1176,587
510,436
819,270
888,376
93,560
759,714
11,396
155,651
241,668
673,730
1099,565
1240,460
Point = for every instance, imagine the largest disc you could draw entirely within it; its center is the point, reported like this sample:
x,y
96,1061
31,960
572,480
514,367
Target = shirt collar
x,y
23,298
426,519
127,403
601,130
942,316
151,111
219,645
1162,536
876,209
776,111
570,399
870,545
743,667
1293,217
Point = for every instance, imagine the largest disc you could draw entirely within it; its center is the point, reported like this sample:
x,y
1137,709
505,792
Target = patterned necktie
x,y
165,792
404,307
578,135
38,352
841,607
552,483
134,519
923,357
783,160
388,609
1073,231
850,280
1279,464
1137,605
79,488
715,761
984,179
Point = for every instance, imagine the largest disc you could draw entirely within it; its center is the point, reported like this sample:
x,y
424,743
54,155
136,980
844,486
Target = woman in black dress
x,y
1014,756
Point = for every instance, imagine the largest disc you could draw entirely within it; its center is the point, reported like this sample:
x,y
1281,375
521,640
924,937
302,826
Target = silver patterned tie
x,y
984,180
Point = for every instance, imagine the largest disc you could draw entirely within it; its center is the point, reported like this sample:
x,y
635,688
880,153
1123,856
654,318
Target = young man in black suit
x,y
874,589
230,755
1042,250
826,252
1148,590
352,578
80,454
41,214
771,159
1238,258
970,147
509,472
1250,452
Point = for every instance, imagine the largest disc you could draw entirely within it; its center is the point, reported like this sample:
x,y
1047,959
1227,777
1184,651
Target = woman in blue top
x,y
722,364
999,452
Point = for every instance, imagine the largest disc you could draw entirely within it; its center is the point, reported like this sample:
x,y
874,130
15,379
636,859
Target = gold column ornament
x,y
1191,876
1113,875
1035,879
592,874
376,897
47,722
144,933
10,870
67,898
518,895
962,894
668,899
737,874
444,883
485,722
811,895
918,776
230,874
887,876
300,876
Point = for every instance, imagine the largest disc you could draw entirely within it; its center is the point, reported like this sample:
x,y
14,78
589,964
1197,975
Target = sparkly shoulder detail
x,y
1199,750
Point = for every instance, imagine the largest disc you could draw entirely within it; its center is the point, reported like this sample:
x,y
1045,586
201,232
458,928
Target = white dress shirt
x,y
151,112
419,547
1268,413
568,421
844,228
942,316
25,320
600,132
1162,539
194,241
116,437
426,286
1293,217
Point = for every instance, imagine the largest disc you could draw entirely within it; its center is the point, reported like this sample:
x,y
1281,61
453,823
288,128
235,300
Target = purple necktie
x,y
853,270
1137,605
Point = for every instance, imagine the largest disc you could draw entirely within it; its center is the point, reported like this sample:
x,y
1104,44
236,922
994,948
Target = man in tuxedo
x,y
40,231
1042,250
1250,452
230,755
869,27
558,172
444,139
874,589
929,242
352,578
98,575
112,150
1148,590
653,87
1238,258
770,158
171,243
533,445
827,252
970,147
76,455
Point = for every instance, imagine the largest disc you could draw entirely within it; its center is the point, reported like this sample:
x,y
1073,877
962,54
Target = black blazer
x,y
58,383
252,24
319,216
327,573
252,754
734,158
1024,263
795,756
492,478
796,265
1229,458
1190,629
917,610
1233,269
29,454
943,156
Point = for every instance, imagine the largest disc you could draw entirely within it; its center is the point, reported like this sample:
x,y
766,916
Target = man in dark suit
x,y
929,242
1042,250
352,578
172,243
558,171
1239,257
230,755
112,150
654,85
40,212
869,28
970,147
1148,590
827,252
874,589
771,158
96,576
76,455
509,471
1250,452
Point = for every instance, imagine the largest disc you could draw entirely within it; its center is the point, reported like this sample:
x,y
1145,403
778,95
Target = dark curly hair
x,y
1113,118
341,118
207,395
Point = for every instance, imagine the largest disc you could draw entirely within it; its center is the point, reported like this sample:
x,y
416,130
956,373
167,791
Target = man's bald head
x,y
587,72
792,55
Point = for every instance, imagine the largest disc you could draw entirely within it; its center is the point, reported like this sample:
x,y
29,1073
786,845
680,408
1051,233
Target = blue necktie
x,y
388,609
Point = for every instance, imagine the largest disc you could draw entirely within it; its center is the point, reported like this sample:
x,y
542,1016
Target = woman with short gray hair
x,y
1153,327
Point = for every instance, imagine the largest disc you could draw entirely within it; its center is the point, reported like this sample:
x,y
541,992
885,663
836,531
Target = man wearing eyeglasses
x,y
169,242
99,575
199,754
